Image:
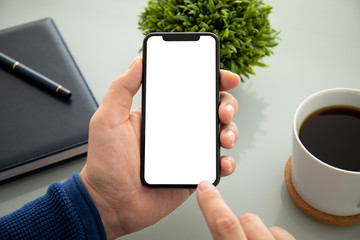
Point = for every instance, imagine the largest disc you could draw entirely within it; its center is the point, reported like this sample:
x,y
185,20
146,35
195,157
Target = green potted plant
x,y
242,26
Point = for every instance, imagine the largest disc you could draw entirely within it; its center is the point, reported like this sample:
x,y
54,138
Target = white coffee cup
x,y
326,188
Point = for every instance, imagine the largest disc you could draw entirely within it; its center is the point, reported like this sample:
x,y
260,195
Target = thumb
x,y
121,92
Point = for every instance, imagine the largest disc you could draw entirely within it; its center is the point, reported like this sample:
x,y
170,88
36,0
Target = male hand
x,y
223,223
112,171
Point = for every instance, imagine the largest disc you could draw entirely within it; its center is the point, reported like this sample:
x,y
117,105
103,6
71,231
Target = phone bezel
x,y
179,36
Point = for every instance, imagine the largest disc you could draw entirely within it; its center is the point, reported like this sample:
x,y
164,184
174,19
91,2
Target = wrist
x,y
107,213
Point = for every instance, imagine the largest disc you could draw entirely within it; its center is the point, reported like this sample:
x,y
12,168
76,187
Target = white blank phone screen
x,y
181,111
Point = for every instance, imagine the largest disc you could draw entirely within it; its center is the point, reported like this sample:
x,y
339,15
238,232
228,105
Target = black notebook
x,y
37,128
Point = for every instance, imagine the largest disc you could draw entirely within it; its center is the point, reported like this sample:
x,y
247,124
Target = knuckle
x,y
280,233
225,224
276,229
101,119
248,217
93,120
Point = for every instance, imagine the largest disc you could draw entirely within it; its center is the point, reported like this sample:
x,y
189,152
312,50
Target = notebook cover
x,y
36,127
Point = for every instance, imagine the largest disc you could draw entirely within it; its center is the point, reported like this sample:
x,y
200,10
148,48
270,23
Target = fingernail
x,y
228,159
237,75
230,109
205,186
231,134
133,62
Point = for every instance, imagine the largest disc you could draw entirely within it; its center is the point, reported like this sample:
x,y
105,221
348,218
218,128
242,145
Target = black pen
x,y
37,78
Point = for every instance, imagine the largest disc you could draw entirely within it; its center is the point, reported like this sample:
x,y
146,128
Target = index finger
x,y
228,80
222,222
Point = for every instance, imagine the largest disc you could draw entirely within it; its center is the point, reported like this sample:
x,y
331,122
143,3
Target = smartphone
x,y
180,98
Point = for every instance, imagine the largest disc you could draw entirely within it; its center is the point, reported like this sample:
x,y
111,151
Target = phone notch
x,y
181,37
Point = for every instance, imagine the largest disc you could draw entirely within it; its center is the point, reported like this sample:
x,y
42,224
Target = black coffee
x,y
332,134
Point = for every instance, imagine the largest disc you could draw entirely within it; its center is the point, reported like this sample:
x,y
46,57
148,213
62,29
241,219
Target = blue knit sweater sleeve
x,y
66,211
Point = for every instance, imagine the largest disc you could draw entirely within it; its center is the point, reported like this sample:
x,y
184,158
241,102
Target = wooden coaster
x,y
312,212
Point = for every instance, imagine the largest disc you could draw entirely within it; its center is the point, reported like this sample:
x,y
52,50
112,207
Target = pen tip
x,y
64,93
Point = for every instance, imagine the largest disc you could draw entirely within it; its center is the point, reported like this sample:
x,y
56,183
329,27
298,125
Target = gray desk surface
x,y
319,49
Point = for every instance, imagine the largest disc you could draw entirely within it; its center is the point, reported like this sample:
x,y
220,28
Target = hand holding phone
x,y
112,169
180,126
